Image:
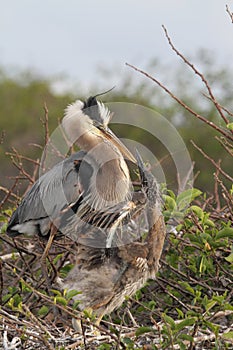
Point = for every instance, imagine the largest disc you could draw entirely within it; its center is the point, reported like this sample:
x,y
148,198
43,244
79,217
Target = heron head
x,y
87,124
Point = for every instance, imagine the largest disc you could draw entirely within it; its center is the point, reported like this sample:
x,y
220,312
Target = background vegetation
x,y
23,96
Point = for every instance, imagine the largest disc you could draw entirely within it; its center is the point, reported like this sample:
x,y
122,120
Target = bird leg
x,y
53,231
78,326
44,270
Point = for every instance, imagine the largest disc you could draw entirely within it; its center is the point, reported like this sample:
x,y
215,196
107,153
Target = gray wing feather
x,y
50,194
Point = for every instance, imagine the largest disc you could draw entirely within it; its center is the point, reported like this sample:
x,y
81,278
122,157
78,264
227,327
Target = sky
x,y
74,38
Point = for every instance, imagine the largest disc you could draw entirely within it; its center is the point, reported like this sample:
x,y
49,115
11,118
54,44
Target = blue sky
x,y
75,37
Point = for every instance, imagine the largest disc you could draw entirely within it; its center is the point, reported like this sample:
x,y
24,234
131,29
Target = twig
x,y
4,189
223,108
228,177
228,198
216,194
36,162
28,313
213,99
23,171
189,109
34,175
185,306
182,184
3,134
229,13
35,145
225,145
1,282
9,193
45,123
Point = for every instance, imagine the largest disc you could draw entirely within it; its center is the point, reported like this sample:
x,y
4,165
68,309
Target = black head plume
x,y
93,110
91,101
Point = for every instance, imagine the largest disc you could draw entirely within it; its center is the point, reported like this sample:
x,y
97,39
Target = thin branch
x,y
229,13
216,194
189,176
213,99
9,193
223,108
227,146
227,196
45,123
3,134
4,189
228,177
15,154
189,109
24,172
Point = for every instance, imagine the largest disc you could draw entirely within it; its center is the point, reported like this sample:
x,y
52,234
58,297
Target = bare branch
x,y
45,123
23,171
213,99
16,154
226,145
2,137
216,194
9,193
228,177
229,13
223,108
189,109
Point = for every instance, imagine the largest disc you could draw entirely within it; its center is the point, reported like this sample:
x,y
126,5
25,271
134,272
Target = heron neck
x,y
112,174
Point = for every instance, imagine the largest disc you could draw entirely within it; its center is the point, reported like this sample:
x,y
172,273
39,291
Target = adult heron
x,y
86,183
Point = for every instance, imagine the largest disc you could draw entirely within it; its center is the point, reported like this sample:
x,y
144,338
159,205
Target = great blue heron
x,y
88,181
89,195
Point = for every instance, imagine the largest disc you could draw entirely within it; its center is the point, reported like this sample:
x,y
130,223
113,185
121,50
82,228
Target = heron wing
x,y
50,195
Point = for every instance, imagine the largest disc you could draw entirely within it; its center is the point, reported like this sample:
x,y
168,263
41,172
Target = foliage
x,y
189,302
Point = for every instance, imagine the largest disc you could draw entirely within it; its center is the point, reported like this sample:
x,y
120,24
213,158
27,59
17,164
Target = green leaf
x,y
209,223
60,300
105,346
185,323
170,203
169,320
180,313
76,304
230,126
3,228
56,292
226,232
57,258
186,337
143,330
72,293
210,304
128,341
228,335
229,258
43,311
213,327
186,197
198,211
187,286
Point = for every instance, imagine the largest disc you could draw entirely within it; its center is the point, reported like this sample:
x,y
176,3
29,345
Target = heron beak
x,y
122,148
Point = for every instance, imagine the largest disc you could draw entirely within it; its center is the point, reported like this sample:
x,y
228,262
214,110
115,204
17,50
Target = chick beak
x,y
122,148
